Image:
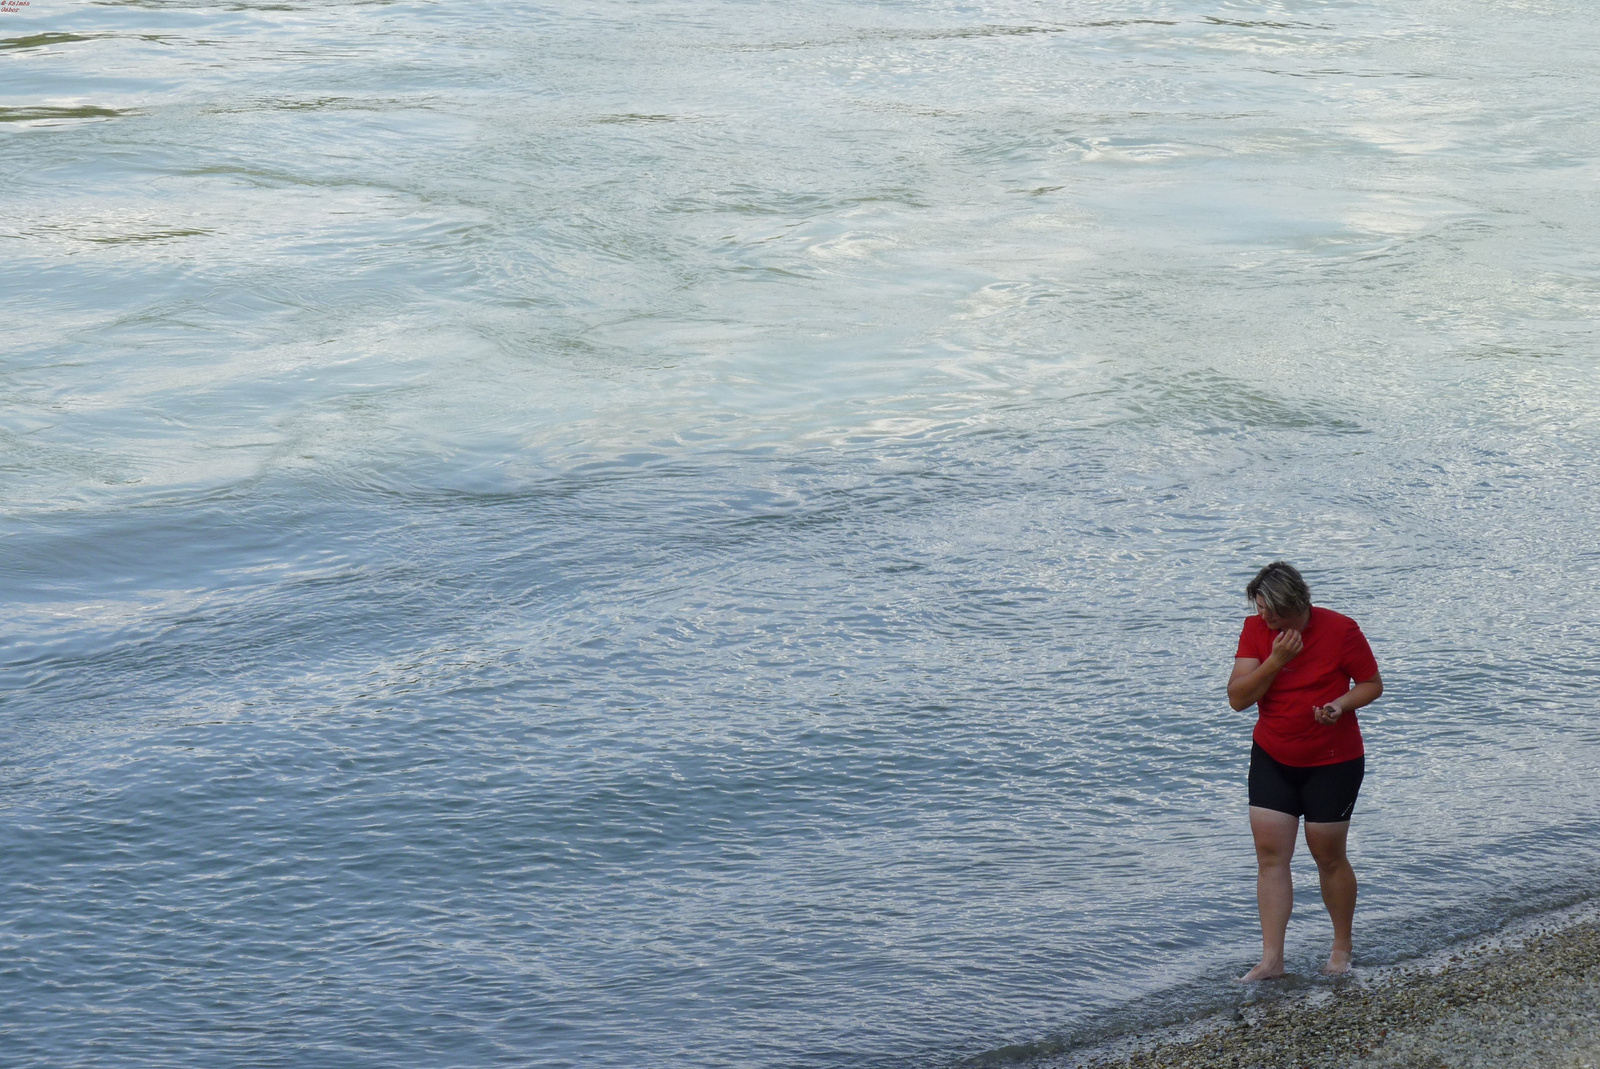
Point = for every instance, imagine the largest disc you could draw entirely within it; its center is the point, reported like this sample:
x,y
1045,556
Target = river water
x,y
712,534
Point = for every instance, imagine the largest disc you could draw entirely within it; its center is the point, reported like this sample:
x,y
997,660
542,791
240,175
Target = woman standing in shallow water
x,y
1298,662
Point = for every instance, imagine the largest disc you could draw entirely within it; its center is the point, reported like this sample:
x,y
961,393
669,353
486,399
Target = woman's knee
x,y
1327,865
1274,834
1329,854
1273,855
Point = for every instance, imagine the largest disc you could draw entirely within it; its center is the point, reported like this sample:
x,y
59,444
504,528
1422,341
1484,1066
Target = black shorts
x,y
1323,794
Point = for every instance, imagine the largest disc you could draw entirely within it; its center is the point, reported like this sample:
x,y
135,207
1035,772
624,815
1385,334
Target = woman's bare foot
x,y
1269,969
1338,962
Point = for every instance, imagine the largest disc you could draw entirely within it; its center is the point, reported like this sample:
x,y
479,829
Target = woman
x,y
1298,661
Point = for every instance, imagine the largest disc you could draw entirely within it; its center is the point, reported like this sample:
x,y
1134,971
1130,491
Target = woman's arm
x,y
1364,693
1251,678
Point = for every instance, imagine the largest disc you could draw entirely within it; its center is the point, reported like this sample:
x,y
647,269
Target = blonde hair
x,y
1282,588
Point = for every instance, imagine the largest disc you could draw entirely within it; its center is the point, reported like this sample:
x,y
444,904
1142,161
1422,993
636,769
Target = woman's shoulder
x,y
1334,620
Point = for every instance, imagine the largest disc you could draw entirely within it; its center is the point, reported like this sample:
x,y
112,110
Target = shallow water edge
x,y
1163,1028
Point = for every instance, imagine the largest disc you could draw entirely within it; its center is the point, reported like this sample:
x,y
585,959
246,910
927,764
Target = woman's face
x,y
1273,621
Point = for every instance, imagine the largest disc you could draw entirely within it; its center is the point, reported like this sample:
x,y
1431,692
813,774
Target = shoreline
x,y
1527,995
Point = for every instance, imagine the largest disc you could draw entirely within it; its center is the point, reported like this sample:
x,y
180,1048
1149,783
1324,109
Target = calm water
x,y
712,534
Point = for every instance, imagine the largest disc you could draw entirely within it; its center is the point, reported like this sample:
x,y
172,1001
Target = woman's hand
x,y
1251,678
1285,648
1328,714
1361,694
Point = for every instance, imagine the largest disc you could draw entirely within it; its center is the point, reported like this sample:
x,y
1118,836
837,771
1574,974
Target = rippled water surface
x,y
712,534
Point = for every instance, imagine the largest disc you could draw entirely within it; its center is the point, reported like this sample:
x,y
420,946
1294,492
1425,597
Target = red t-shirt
x,y
1335,655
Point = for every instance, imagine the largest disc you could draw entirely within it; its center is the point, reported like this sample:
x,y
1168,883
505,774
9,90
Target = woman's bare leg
x,y
1274,834
1327,843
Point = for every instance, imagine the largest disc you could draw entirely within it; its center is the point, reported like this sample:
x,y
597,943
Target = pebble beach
x,y
1529,1002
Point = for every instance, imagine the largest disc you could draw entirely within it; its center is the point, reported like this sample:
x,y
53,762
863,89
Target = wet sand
x,y
1532,1001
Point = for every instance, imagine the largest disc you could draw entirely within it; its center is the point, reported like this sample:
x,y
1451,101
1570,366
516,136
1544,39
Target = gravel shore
x,y
1530,1003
